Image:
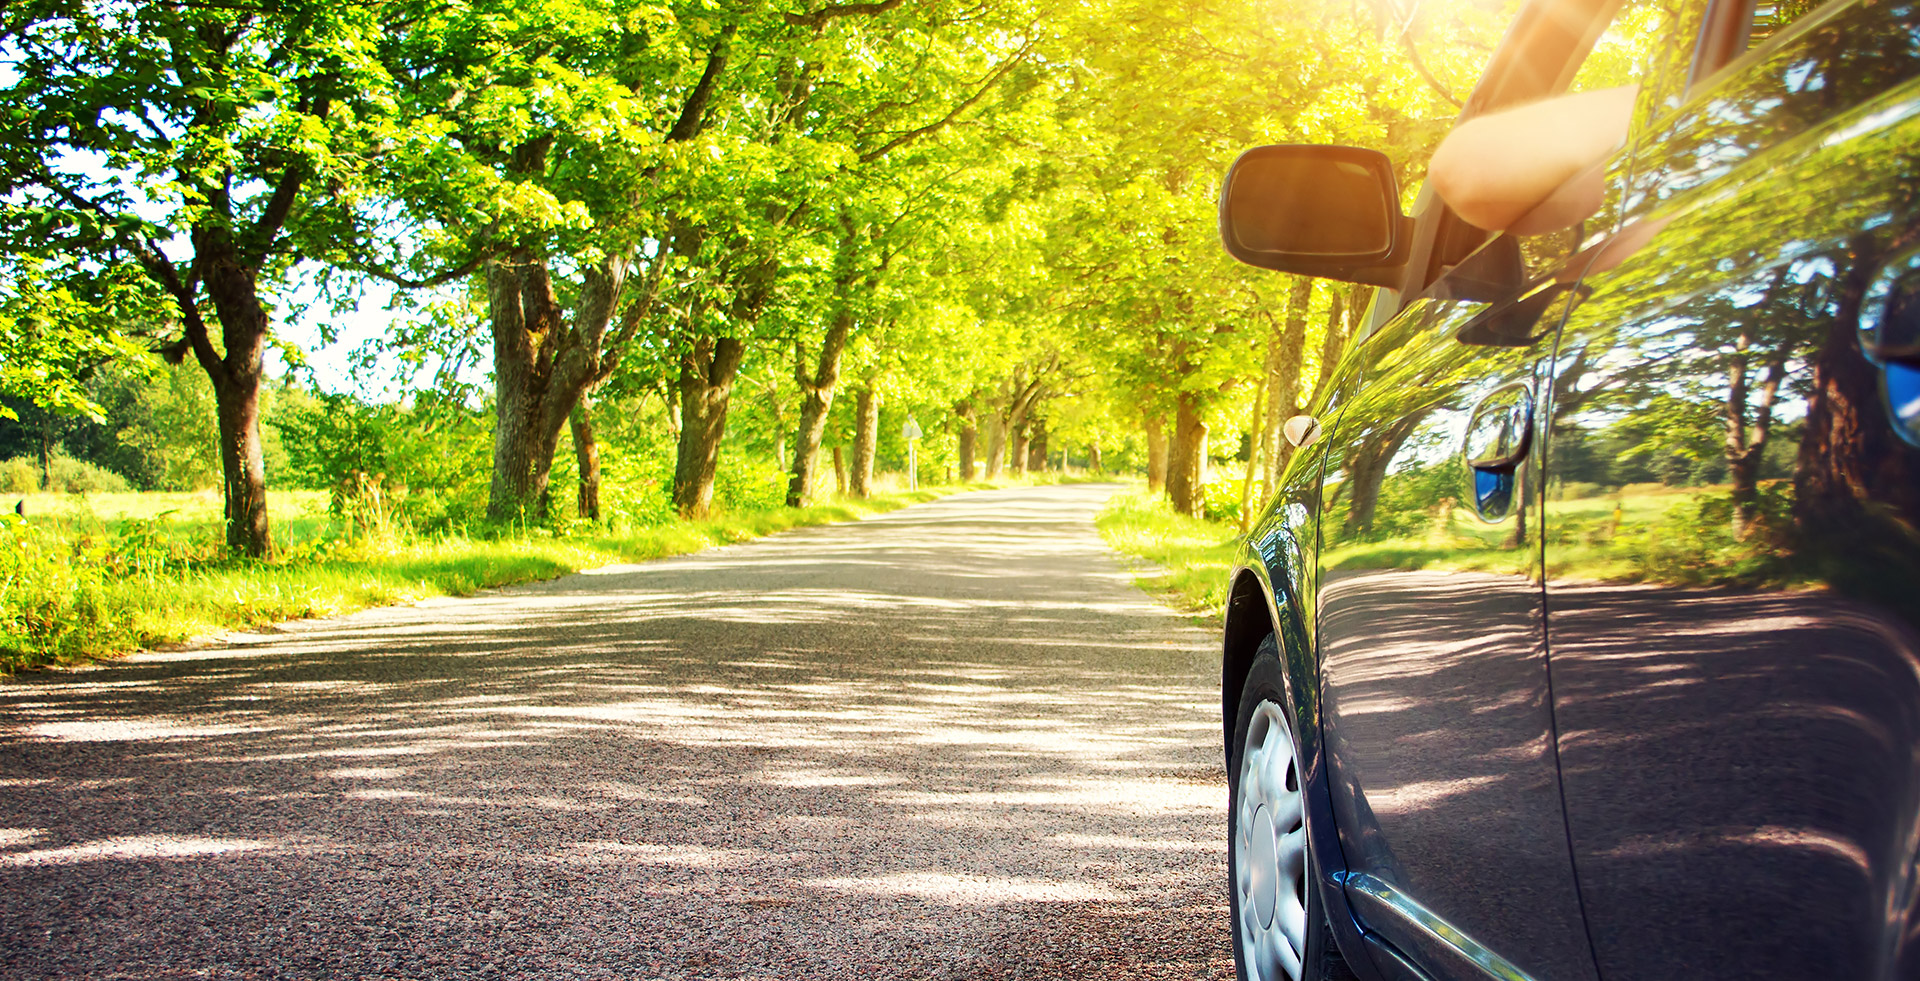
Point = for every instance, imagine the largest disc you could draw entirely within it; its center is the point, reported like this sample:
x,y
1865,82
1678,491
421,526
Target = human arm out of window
x,y
1532,168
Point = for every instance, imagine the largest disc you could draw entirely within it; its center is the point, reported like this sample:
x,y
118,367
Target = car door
x,y
1731,545
1434,676
1434,673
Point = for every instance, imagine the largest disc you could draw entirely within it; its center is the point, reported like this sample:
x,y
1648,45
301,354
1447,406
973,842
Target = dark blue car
x,y
1580,640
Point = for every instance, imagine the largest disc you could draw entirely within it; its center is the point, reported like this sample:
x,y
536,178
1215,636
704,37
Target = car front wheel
x,y
1279,930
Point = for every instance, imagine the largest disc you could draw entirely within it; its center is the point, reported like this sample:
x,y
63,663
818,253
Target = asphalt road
x,y
953,741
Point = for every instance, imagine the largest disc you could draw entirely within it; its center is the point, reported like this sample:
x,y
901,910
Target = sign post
x,y
911,432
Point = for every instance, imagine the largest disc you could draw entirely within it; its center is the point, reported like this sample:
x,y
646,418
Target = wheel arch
x,y
1254,611
1250,618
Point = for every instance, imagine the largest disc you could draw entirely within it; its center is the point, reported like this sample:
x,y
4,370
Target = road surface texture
x,y
953,741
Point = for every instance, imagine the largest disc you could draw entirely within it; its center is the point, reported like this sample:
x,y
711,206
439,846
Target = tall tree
x,y
186,141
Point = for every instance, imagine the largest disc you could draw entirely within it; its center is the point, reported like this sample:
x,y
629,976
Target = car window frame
x,y
1724,31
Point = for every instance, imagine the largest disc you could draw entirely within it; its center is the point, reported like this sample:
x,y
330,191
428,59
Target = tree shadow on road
x,y
809,757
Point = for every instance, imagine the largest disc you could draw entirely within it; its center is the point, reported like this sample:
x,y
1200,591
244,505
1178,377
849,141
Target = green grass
x,y
119,572
201,505
1193,558
186,518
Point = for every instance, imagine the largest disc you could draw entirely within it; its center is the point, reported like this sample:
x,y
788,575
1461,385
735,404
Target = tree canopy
x,y
995,217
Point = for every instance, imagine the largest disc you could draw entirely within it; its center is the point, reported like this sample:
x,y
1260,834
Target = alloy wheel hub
x,y
1270,850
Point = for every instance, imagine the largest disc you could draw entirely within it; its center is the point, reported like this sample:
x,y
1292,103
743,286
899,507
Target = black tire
x,y
1263,698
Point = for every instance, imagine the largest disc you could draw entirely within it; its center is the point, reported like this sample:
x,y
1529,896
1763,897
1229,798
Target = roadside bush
x,y
391,469
80,477
1220,501
21,475
750,484
1695,543
1405,506
50,592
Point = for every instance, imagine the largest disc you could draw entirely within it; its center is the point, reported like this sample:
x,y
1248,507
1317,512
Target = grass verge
x,y
68,596
1192,557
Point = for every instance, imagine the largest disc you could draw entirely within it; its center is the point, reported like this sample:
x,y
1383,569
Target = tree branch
x,y
162,271
461,271
693,115
1413,55
820,17
909,136
280,205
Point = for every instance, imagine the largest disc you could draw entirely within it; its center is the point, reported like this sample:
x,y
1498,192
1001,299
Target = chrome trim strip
x,y
1422,919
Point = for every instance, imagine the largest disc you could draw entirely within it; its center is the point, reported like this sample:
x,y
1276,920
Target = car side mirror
x,y
1331,211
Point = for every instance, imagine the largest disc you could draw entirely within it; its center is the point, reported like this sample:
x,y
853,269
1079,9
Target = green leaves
x,y
58,323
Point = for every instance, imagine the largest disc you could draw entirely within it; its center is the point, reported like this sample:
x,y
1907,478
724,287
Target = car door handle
x,y
1301,431
1499,436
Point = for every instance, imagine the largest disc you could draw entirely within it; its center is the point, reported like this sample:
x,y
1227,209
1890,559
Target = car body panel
x,y
1731,539
1433,675
1274,570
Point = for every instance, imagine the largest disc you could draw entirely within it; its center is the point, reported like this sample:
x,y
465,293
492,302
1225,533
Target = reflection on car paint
x,y
1434,675
1730,535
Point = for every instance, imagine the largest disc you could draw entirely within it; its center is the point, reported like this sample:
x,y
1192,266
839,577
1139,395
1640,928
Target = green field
x,y
298,516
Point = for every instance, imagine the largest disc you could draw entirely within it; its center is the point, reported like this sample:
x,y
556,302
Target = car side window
x,y
1769,19
1737,26
1821,69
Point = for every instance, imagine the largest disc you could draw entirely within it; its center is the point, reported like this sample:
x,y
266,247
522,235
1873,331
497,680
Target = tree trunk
x,y
542,363
817,391
1037,446
996,444
1018,394
1747,432
1256,444
1093,458
46,449
816,402
969,433
1156,428
1286,363
1368,470
839,471
587,452
525,318
1521,492
1273,440
866,435
242,466
1856,487
779,410
1748,415
1186,463
233,287
707,371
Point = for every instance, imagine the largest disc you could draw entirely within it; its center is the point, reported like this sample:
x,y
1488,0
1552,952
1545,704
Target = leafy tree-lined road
x,y
952,741
569,266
